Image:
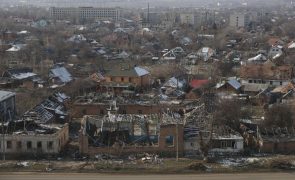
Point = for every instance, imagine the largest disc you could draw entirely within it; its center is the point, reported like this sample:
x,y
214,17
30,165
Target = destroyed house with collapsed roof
x,y
199,134
167,132
41,130
32,139
98,103
129,134
52,109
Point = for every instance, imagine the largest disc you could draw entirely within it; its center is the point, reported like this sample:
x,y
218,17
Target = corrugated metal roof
x,y
6,94
61,73
141,71
234,83
21,76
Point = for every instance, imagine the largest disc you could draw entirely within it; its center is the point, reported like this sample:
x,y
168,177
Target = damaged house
x,y
129,134
24,137
201,136
40,131
174,87
52,109
205,53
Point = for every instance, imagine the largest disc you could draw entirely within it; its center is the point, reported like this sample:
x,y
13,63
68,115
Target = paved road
x,y
256,176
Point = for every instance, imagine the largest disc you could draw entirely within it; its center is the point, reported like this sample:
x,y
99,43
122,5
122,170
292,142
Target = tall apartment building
x,y
187,18
242,19
85,13
197,19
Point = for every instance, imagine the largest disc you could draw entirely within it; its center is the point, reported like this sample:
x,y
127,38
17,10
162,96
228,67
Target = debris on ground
x,y
23,164
199,166
283,164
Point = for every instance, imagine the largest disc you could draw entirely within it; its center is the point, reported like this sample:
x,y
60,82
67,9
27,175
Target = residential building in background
x,y
239,20
85,13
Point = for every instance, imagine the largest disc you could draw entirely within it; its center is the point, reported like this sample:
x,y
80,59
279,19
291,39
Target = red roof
x,y
198,83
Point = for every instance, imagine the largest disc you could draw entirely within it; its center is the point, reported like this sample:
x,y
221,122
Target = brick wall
x,y
165,130
278,147
137,81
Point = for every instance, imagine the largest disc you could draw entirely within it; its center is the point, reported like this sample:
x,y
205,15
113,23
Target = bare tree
x,y
279,116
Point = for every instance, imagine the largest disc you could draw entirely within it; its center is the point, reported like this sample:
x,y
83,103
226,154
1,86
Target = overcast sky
x,y
143,3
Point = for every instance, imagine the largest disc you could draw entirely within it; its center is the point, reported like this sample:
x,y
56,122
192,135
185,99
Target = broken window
x,y
19,145
223,144
8,144
169,141
39,145
29,145
50,145
122,79
233,145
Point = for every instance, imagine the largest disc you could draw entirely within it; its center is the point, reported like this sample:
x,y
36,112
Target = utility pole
x,y
177,141
3,139
148,16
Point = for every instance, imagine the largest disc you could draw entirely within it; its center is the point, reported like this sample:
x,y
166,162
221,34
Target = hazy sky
x,y
143,3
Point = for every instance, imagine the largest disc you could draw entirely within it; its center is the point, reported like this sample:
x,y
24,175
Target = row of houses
x,y
26,78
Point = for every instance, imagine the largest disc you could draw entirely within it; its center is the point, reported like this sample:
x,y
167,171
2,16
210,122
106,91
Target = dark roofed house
x,y
19,73
22,77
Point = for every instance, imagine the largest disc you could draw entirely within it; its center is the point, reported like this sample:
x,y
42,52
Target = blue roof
x,y
61,73
141,71
234,83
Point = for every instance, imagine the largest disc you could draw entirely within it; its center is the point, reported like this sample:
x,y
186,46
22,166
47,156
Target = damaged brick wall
x,y
278,146
166,130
